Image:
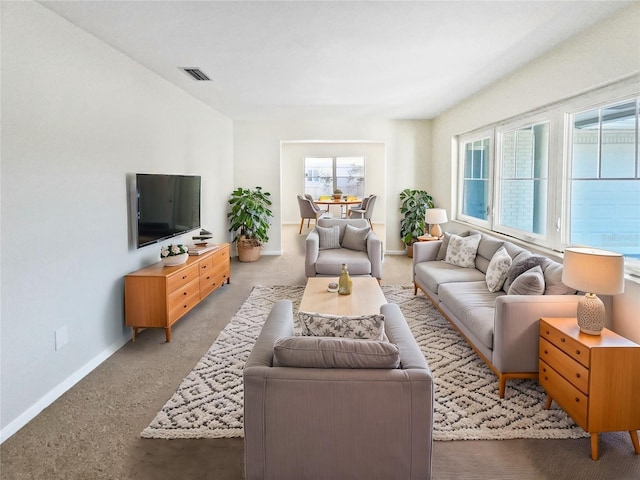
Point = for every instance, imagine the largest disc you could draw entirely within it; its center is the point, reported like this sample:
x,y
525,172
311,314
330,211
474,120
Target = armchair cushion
x,y
355,238
368,327
329,237
330,352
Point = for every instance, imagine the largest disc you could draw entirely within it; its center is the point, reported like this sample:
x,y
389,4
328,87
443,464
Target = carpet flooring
x,y
209,401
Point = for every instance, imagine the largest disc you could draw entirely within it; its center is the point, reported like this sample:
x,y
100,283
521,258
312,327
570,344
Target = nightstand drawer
x,y
566,343
566,366
572,400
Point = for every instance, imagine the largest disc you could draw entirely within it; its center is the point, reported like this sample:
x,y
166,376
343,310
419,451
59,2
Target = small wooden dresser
x,y
158,296
594,378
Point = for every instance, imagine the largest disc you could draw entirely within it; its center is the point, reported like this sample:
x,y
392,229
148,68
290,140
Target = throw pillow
x,y
530,282
329,237
498,269
355,238
553,280
520,266
327,352
462,250
368,327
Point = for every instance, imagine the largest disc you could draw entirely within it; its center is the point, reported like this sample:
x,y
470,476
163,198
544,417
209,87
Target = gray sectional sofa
x,y
336,421
502,328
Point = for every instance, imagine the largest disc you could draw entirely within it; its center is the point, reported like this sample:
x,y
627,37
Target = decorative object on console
x,y
593,271
172,255
434,217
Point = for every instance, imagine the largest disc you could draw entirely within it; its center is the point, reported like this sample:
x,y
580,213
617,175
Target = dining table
x,y
344,204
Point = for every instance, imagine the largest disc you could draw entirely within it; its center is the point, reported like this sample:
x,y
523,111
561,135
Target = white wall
x,y
77,116
601,55
257,151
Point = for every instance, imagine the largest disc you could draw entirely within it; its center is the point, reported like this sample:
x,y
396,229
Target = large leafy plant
x,y
413,205
249,215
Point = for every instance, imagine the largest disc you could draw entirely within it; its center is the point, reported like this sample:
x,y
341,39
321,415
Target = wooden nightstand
x,y
594,378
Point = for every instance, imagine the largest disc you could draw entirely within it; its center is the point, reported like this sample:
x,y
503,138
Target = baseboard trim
x,y
60,389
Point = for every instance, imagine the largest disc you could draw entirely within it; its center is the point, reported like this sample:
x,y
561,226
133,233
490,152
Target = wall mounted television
x,y
166,206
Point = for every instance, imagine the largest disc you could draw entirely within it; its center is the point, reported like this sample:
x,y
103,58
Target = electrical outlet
x,y
62,337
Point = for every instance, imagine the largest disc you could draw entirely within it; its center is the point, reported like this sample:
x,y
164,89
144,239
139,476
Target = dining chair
x,y
365,210
308,211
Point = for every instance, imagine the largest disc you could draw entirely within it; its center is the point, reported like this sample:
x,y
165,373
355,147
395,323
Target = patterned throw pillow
x,y
329,237
498,269
530,282
462,250
368,327
355,238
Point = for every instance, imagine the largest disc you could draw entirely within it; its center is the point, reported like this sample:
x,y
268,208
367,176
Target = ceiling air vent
x,y
195,73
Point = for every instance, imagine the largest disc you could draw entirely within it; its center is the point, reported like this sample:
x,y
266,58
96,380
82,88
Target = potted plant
x,y
337,193
249,220
413,205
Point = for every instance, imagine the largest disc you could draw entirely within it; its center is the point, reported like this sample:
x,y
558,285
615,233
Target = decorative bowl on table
x,y
172,255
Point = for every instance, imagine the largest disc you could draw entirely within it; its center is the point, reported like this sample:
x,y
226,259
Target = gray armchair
x,y
308,211
337,423
365,210
328,262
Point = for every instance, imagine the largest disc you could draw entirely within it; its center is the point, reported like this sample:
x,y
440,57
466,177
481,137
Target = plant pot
x,y
410,251
175,260
249,250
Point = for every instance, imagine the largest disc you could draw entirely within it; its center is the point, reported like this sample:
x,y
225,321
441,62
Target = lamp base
x,y
436,230
591,314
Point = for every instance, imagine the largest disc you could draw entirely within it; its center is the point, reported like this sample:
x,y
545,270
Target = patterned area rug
x,y
209,402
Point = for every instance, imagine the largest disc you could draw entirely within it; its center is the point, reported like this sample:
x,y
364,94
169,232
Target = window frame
x,y
559,115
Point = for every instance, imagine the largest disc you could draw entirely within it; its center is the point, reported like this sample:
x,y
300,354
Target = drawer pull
x,y
577,400
184,306
563,340
546,352
577,375
204,266
208,278
184,276
548,332
577,352
184,293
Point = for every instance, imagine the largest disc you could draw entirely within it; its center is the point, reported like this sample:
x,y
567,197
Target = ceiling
x,y
308,59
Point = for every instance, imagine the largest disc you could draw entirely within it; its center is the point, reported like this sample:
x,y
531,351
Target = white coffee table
x,y
365,299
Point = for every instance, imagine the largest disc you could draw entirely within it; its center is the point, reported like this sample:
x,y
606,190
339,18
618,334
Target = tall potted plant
x,y
249,220
413,205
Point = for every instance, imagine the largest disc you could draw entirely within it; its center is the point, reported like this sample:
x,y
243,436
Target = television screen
x,y
167,206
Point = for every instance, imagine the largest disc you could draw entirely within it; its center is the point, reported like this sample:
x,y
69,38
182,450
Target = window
x,y
605,179
522,183
323,175
568,174
476,159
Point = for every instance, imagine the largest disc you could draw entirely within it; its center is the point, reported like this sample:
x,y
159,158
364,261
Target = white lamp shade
x,y
436,216
593,270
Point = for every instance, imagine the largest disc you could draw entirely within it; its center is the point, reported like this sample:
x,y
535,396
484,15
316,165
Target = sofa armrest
x,y
517,328
425,251
374,252
398,331
311,250
278,324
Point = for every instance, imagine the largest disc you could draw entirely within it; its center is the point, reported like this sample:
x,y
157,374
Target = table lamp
x,y
434,217
593,271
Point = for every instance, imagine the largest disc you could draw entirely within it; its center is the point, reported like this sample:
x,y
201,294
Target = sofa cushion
x,y
473,305
498,269
553,280
462,250
487,248
329,352
355,238
330,262
370,327
530,282
520,266
329,237
434,274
